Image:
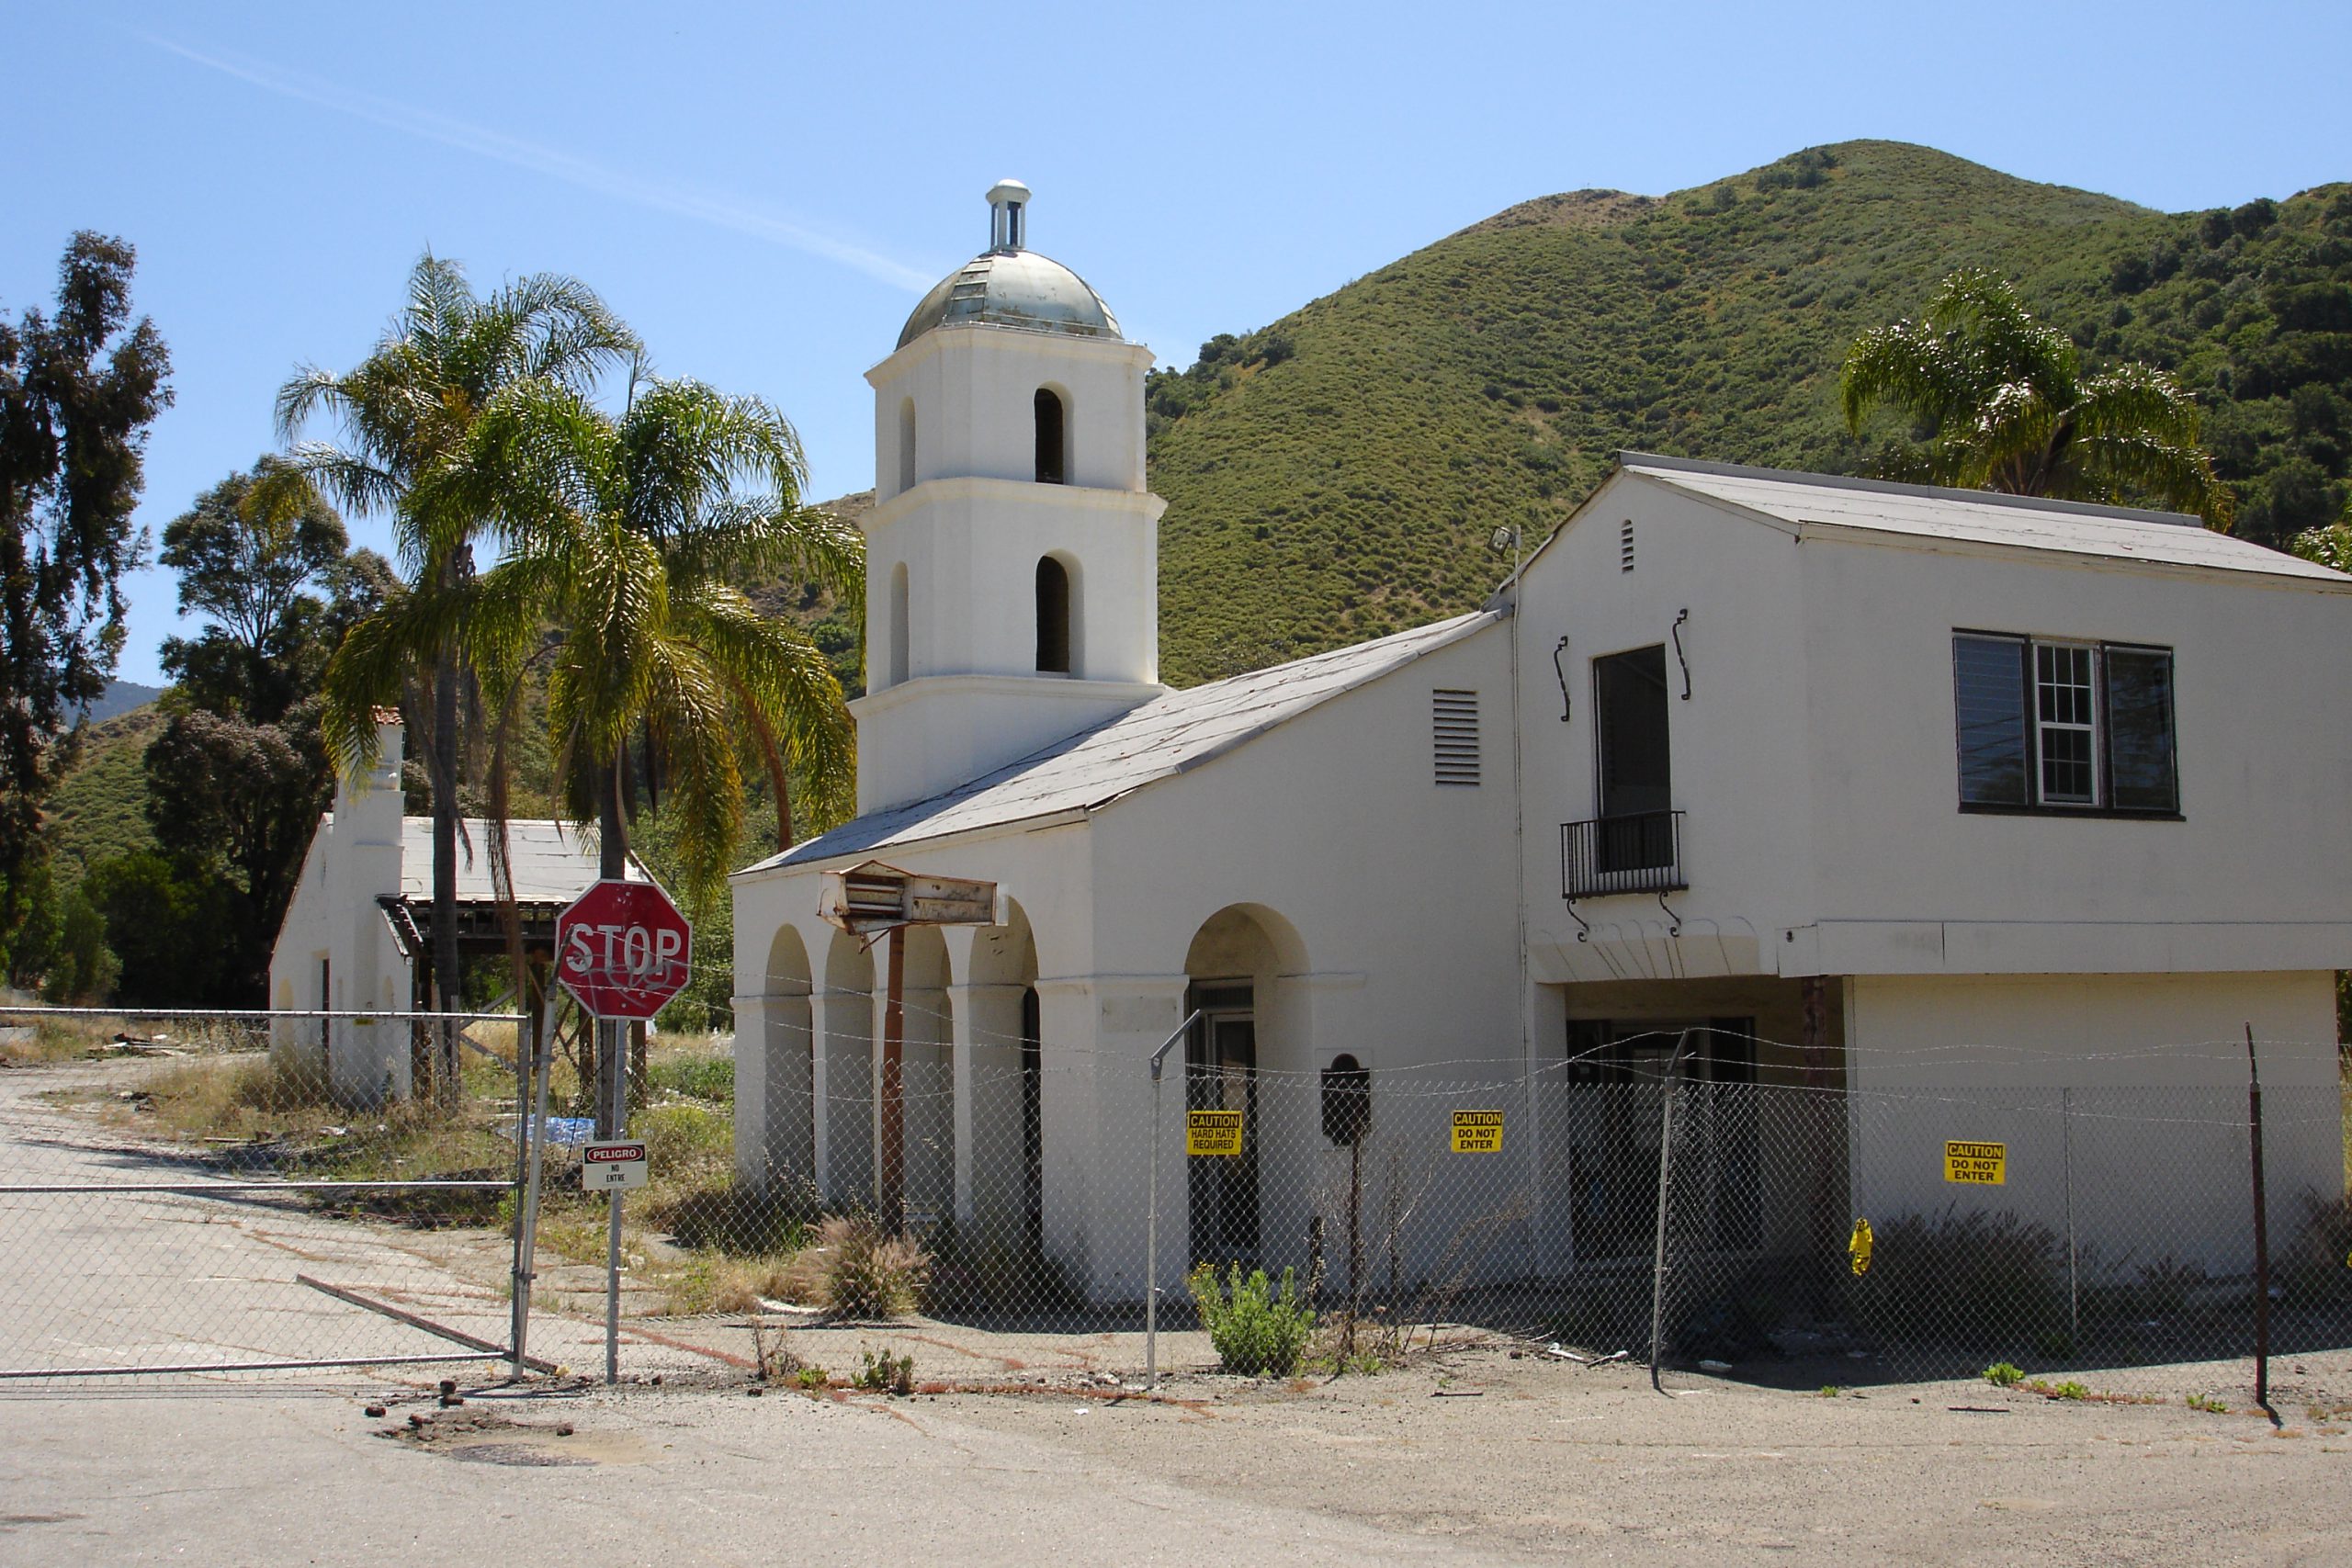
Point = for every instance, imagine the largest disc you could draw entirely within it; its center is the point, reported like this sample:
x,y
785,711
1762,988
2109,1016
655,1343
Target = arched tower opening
x,y
1053,438
897,634
1053,617
906,444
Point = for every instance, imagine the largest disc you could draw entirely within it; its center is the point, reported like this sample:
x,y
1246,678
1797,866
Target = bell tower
x,y
1013,554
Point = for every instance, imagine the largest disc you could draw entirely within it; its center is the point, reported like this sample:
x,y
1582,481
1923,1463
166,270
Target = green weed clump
x,y
2004,1374
885,1373
1257,1332
867,1271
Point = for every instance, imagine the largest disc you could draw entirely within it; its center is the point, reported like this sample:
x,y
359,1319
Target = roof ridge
x,y
1638,460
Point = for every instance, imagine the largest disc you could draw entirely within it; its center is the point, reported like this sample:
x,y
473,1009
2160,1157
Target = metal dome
x,y
1020,289
1008,286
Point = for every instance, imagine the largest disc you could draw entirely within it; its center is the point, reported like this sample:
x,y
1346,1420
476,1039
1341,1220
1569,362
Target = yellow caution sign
x,y
1857,1248
1213,1133
1976,1165
1477,1131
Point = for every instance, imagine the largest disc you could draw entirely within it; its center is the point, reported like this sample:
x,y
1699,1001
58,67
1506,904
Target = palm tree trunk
x,y
612,862
446,980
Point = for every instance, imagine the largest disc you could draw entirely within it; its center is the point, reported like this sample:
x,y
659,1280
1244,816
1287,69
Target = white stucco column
x,y
751,1088
1100,1100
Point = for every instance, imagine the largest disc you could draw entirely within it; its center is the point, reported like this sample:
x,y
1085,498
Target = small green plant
x,y
2207,1403
2004,1374
1256,1330
885,1373
2070,1389
811,1379
1830,1391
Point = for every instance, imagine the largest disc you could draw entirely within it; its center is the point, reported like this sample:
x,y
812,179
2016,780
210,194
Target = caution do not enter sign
x,y
623,950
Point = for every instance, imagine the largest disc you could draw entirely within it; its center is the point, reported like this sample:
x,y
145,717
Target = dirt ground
x,y
1539,1459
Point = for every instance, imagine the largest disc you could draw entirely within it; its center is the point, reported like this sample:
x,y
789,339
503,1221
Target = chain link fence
x,y
178,1196
181,1194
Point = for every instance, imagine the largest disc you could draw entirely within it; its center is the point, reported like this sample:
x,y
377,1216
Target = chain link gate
x,y
184,1193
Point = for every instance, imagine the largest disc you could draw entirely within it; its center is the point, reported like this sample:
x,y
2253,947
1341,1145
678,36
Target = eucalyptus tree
x,y
405,411
78,390
2005,405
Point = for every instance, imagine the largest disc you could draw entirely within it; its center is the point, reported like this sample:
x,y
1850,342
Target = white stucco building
x,y
356,936
1882,787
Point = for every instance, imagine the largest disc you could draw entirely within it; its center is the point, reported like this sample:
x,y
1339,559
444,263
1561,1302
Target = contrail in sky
x,y
724,212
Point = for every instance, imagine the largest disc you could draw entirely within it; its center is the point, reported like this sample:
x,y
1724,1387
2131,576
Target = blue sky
x,y
762,191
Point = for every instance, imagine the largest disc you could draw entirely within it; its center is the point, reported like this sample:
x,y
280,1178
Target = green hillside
x,y
1336,475
99,809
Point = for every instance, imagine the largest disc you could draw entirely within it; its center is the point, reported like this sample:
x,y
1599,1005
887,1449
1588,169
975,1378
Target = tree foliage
x,y
626,535
403,411
2005,405
77,390
248,553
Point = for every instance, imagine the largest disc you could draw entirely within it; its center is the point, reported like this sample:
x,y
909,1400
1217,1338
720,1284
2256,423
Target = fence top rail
x,y
264,1015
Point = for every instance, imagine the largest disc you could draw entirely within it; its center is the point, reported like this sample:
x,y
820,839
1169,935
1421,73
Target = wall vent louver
x,y
1625,546
1454,722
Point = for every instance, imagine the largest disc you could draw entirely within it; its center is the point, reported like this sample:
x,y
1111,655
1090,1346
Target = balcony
x,y
1637,854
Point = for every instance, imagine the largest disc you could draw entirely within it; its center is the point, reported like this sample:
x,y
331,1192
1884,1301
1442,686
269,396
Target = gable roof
x,y
1981,517
1169,735
550,861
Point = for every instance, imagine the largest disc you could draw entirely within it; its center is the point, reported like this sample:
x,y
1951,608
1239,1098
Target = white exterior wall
x,y
2258,875
1333,825
332,918
1740,764
2123,1097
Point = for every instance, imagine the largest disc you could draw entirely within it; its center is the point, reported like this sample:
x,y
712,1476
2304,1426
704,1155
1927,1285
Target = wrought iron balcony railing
x,y
1636,853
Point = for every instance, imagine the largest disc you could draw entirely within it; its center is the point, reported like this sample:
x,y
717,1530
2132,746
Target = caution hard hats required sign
x,y
1213,1133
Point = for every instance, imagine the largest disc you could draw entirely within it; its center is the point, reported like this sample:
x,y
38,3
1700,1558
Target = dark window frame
x,y
2103,806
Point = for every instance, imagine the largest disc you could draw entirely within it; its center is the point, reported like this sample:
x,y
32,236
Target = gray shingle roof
x,y
549,861
1169,735
1977,517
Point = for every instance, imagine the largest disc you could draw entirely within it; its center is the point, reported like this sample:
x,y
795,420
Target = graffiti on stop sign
x,y
623,949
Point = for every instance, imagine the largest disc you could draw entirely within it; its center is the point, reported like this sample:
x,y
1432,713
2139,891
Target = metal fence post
x,y
1664,1183
2066,1171
2261,1230
526,1245
1151,1216
616,1056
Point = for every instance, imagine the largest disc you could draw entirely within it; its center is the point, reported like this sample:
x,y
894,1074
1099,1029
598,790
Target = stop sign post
x,y
623,950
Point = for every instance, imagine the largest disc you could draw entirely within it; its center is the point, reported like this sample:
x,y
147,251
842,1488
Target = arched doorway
x,y
1007,1084
788,1065
1246,1031
846,1038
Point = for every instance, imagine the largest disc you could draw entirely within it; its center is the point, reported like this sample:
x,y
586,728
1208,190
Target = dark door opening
x,y
1636,775
1221,1074
1617,1074
1033,1125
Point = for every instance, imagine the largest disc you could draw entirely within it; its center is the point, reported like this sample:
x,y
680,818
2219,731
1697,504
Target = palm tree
x,y
2007,408
403,411
623,538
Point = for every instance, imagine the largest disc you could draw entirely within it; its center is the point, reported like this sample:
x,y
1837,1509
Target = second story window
x,y
2058,726
1053,447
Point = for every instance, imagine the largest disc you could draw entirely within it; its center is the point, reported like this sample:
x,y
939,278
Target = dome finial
x,y
1008,216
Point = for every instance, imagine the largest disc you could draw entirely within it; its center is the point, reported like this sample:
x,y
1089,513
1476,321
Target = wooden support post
x,y
891,1195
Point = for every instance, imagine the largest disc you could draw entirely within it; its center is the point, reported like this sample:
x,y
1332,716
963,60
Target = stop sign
x,y
622,949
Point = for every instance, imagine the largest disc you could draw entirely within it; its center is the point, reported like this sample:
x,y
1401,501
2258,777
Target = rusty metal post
x,y
890,1177
1664,1186
2261,1230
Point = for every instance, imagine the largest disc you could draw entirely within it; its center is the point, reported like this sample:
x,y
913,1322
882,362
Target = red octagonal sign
x,y
623,949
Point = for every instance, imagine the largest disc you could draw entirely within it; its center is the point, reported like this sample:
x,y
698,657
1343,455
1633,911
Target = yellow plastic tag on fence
x,y
1976,1165
1217,1132
1859,1247
1477,1131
